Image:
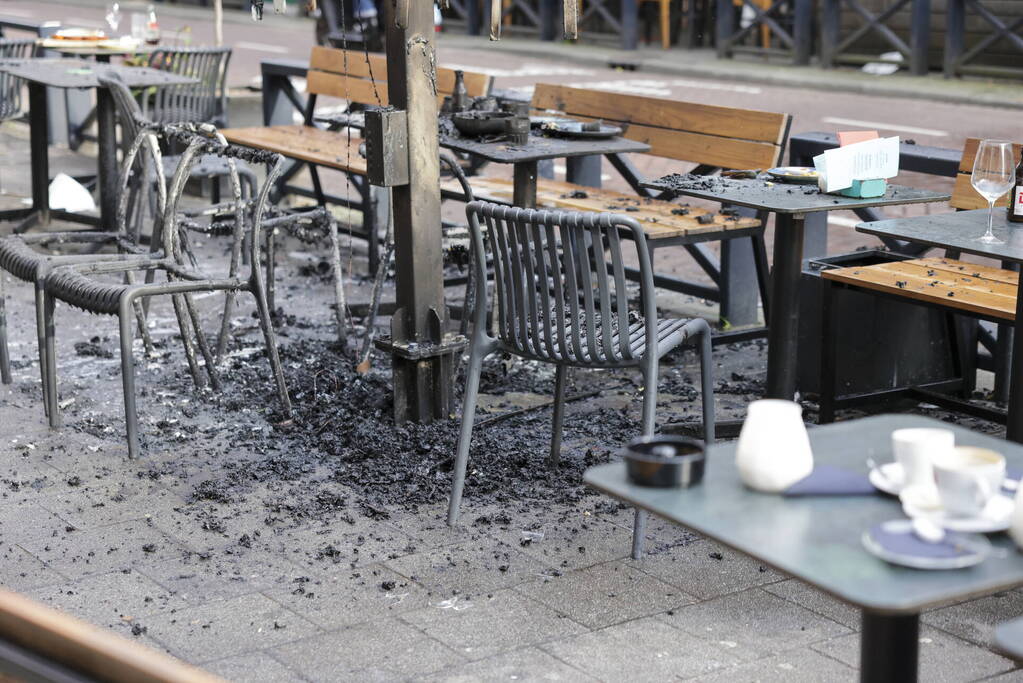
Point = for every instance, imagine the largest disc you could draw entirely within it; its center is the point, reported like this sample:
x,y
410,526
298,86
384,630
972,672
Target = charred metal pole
x,y
422,354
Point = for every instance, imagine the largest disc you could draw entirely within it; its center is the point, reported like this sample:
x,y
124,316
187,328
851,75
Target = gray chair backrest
x,y
10,87
202,102
559,298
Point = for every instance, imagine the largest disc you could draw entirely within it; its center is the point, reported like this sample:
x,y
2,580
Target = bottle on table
x,y
152,34
459,95
1016,195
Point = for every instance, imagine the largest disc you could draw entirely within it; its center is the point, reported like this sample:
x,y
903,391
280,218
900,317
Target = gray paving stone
x,y
343,598
487,625
641,650
975,620
207,526
1008,677
814,600
795,666
469,568
943,658
114,503
339,544
384,650
113,599
226,628
200,579
252,667
22,522
605,594
706,569
753,624
22,571
570,542
428,528
527,664
107,548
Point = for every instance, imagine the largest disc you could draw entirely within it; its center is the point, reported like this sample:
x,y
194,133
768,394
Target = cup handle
x,y
982,492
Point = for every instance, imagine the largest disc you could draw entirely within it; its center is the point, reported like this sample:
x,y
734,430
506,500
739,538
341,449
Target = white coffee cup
x,y
915,449
967,478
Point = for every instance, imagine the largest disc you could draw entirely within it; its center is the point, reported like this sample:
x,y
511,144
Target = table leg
x,y
889,648
524,190
1014,418
39,145
107,135
783,325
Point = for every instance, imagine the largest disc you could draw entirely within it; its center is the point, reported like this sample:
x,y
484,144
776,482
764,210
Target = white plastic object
x,y
774,449
1016,520
70,195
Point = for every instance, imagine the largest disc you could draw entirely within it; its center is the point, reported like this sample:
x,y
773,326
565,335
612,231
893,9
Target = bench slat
x,y
945,285
317,146
727,122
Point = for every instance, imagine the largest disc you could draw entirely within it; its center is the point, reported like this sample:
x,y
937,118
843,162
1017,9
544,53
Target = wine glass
x,y
993,176
113,16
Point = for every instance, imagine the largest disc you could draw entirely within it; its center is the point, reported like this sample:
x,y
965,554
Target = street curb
x,y
932,88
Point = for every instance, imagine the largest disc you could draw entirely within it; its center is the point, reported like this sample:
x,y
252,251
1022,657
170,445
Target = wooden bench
x,y
710,136
360,79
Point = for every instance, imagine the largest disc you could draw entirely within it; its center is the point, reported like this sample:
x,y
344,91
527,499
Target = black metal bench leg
x,y
828,346
763,272
889,648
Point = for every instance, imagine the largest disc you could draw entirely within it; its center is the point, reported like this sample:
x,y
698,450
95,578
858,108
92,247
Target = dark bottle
x,y
1016,196
459,95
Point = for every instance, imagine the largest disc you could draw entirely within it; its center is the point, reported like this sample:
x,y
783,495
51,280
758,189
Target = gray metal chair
x,y
84,286
201,102
31,257
560,300
10,87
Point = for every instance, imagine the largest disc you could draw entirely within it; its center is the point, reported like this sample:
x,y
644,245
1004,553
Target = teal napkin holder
x,y
865,189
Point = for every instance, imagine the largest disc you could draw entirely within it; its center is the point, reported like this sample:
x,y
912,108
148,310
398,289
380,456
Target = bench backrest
x,y
362,78
963,195
704,134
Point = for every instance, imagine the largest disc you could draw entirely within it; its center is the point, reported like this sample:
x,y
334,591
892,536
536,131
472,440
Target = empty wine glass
x,y
113,16
993,176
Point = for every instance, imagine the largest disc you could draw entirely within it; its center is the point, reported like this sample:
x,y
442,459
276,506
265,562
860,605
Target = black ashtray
x,y
664,461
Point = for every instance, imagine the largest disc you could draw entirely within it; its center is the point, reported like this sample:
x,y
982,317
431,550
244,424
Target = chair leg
x,y
707,382
51,362
665,24
186,341
559,415
125,318
829,357
271,347
41,341
339,285
271,269
200,340
472,386
5,356
649,413
763,272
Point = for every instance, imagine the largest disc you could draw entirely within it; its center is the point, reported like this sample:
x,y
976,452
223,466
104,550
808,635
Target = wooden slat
x,y
97,653
964,197
1009,277
654,215
306,143
346,87
699,148
726,122
919,280
333,62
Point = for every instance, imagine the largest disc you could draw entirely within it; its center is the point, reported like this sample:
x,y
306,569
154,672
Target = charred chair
x,y
31,257
560,300
91,287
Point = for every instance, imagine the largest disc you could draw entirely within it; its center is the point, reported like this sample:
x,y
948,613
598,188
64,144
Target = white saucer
x,y
887,477
924,501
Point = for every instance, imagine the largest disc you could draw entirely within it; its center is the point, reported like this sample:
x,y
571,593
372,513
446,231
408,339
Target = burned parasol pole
x,y
403,154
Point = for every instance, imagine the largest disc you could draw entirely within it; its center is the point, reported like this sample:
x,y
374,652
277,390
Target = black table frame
x,y
789,230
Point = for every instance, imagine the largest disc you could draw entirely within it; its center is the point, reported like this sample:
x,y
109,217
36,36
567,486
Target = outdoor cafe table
x,y
74,73
818,539
526,157
790,204
958,231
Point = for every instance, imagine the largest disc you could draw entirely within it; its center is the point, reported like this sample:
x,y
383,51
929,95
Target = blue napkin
x,y
828,480
905,542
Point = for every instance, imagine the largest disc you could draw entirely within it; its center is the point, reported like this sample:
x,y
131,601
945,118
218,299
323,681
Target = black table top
x,y
541,147
818,538
78,73
784,197
956,230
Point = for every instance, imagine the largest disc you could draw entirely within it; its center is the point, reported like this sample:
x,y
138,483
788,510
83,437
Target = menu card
x,y
867,160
